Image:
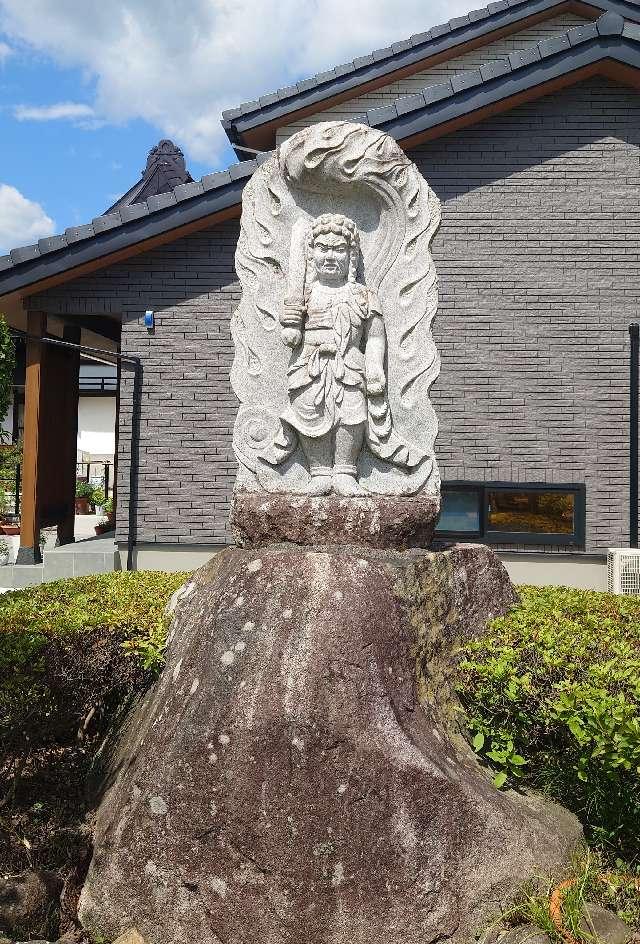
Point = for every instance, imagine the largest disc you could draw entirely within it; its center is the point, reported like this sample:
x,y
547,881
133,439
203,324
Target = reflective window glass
x,y
535,512
460,511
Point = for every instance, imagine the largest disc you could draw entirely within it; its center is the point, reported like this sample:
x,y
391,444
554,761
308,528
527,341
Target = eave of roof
x,y
108,235
466,96
248,121
469,95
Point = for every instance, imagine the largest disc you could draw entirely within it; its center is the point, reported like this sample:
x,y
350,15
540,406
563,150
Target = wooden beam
x,y
68,434
29,550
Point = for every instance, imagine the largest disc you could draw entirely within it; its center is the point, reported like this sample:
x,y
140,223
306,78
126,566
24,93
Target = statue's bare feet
x,y
346,485
319,485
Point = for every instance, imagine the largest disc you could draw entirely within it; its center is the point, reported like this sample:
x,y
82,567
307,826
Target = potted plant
x,y
107,524
84,496
98,500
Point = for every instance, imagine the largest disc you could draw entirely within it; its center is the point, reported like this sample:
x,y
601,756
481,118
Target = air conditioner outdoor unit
x,y
624,571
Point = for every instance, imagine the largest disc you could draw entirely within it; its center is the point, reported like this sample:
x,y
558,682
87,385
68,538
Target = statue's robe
x,y
327,380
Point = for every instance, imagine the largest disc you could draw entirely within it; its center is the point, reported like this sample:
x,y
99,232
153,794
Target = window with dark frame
x,y
513,513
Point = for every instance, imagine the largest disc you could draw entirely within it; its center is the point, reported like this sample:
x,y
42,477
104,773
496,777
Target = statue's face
x,y
331,257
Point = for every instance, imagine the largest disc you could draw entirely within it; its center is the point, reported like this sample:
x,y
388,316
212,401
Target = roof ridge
x,y
609,24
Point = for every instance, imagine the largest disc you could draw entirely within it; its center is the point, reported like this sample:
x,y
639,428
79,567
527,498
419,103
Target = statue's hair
x,y
341,226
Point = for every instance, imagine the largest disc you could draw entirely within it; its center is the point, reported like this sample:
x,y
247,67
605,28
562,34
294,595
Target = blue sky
x,y
88,87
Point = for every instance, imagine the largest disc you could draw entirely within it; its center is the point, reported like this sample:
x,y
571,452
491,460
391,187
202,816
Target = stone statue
x,y
334,261
336,330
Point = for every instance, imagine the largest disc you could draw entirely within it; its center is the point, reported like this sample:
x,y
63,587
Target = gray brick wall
x,y
539,259
187,409
539,265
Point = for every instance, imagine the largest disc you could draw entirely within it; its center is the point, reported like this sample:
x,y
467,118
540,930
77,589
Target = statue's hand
x,y
376,382
291,336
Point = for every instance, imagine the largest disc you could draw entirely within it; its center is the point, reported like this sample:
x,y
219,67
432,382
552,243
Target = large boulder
x,y
296,773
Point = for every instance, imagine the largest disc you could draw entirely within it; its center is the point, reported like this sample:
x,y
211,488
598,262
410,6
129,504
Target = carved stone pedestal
x,y
283,782
385,522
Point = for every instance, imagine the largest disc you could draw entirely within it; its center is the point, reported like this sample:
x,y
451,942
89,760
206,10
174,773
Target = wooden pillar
x,y
68,426
29,551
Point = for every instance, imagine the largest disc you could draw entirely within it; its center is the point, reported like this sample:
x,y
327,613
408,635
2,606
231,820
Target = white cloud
x,y
5,52
22,221
65,110
179,65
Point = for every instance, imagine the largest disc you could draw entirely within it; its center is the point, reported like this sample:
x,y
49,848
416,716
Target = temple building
x,y
524,117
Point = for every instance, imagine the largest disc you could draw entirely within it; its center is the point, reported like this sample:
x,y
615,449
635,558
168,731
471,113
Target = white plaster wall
x,y
97,425
499,49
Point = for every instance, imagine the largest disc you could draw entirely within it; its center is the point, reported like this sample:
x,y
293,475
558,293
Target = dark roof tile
x,y
102,223
438,31
212,181
302,87
362,61
553,45
243,169
52,244
286,92
24,253
380,54
134,212
269,99
610,24
76,233
343,69
5,262
632,31
400,47
459,21
378,116
419,38
465,80
494,69
434,93
409,103
580,34
187,191
524,57
161,201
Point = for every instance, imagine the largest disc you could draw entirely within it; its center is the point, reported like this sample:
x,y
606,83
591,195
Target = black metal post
x,y
106,480
16,501
634,376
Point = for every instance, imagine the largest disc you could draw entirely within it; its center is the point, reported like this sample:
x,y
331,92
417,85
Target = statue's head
x,y
333,248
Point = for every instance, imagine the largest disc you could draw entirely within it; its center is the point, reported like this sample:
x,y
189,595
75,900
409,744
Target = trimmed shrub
x,y
552,697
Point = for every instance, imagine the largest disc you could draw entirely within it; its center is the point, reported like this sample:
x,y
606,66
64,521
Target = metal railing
x,y
98,384
102,478
10,491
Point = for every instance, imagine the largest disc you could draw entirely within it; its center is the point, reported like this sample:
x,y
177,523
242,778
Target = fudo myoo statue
x,y
334,353
337,334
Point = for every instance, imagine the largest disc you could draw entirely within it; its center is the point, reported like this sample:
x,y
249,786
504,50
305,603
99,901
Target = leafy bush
x,y
552,695
84,489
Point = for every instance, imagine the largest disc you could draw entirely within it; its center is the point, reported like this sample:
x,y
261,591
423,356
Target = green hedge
x,y
552,695
63,645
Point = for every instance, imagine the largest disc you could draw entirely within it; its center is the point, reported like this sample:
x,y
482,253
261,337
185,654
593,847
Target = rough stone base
x,y
295,775
259,519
